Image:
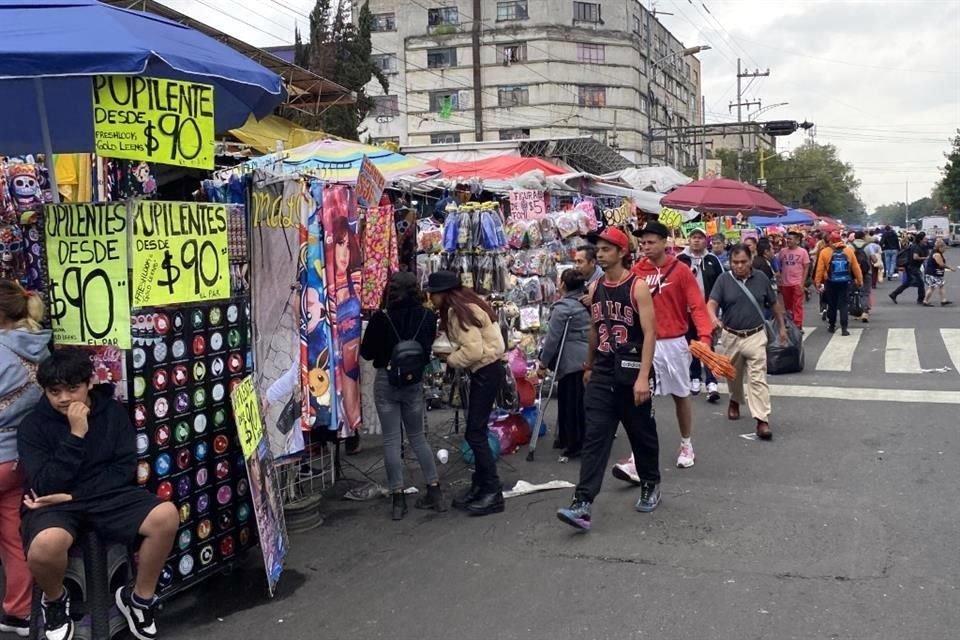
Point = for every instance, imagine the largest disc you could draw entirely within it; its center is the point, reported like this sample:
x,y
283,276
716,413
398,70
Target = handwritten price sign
x,y
87,259
526,203
670,218
370,184
180,253
153,119
246,413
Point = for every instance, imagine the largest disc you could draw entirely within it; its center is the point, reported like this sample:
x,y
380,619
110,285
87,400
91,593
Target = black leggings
x,y
485,383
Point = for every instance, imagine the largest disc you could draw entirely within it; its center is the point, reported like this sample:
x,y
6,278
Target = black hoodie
x,y
101,463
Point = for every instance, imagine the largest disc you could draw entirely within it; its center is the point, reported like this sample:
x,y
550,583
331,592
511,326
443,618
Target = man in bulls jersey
x,y
623,322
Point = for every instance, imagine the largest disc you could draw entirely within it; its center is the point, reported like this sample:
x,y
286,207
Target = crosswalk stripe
x,y
951,340
838,354
807,331
901,354
863,394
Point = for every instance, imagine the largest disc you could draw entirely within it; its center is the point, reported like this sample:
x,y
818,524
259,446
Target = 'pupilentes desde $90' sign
x,y
153,119
180,253
370,184
87,260
246,413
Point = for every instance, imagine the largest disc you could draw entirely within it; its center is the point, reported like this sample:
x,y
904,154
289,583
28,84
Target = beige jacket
x,y
476,347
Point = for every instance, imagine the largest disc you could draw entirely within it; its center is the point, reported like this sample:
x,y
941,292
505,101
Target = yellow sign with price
x,y
154,119
246,413
180,253
670,218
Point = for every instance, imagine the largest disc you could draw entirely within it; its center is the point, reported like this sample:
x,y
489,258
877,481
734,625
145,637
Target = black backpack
x,y
905,256
408,359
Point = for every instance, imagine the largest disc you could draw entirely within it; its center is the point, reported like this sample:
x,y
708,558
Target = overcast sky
x,y
879,78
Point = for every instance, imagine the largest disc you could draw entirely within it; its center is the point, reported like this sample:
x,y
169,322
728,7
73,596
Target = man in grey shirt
x,y
744,339
586,261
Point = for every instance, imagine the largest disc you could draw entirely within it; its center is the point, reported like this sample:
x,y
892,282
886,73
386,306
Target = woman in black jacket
x,y
401,407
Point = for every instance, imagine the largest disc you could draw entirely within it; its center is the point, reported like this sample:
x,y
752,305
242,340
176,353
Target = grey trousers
x,y
401,408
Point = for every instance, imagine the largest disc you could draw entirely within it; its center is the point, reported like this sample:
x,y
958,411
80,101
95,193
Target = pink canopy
x,y
496,168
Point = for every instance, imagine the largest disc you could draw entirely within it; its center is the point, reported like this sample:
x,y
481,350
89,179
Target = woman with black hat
x,y
471,325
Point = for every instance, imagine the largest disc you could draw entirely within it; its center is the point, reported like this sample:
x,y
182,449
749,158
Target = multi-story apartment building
x,y
472,70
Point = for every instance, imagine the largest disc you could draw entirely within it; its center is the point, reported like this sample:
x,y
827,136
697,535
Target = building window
x,y
512,10
637,26
444,100
513,96
514,134
590,53
385,106
440,58
388,142
386,62
444,138
384,22
586,12
592,96
443,16
644,105
507,54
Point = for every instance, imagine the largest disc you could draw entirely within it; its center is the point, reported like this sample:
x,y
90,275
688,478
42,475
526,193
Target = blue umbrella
x,y
50,49
793,216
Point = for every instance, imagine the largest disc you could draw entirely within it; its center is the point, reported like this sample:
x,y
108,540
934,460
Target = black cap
x,y
653,227
442,281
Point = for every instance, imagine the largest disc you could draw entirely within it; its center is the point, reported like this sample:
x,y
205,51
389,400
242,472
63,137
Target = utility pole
x,y
741,74
477,78
703,136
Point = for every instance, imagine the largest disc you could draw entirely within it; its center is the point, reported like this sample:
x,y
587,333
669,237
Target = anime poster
x,y
343,264
268,510
319,411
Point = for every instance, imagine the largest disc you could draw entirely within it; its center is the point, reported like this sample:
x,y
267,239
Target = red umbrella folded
x,y
723,196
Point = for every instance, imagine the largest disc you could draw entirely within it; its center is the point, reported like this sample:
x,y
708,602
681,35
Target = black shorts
x,y
116,517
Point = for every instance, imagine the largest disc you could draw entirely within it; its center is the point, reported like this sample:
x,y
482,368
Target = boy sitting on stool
x,y
78,452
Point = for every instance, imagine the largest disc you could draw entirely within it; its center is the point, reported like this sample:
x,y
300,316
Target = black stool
x,y
91,566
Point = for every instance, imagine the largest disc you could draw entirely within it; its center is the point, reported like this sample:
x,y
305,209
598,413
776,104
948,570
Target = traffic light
x,y
780,127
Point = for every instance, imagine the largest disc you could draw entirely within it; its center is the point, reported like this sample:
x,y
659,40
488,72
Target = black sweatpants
x,y
914,279
571,421
484,385
608,405
837,295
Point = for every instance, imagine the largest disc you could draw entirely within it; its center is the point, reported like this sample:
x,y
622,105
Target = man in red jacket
x,y
676,299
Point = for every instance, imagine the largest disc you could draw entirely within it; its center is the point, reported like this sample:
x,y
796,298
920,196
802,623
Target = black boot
x,y
399,505
468,496
433,499
486,504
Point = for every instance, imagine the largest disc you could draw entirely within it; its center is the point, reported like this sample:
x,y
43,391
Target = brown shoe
x,y
733,410
763,430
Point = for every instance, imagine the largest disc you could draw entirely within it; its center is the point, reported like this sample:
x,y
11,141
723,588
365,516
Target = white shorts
x,y
671,363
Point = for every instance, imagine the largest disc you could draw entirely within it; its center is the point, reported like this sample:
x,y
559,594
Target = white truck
x,y
936,227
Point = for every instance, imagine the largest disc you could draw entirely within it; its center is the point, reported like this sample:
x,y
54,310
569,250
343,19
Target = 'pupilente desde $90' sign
x,y
87,262
179,253
153,119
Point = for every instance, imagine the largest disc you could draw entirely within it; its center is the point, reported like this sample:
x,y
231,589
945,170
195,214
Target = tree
x,y
342,52
947,190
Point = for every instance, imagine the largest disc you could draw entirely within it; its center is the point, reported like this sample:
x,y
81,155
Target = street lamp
x,y
689,51
766,108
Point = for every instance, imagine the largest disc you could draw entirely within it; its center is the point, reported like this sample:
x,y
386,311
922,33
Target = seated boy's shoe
x,y
13,624
139,616
57,624
649,496
577,515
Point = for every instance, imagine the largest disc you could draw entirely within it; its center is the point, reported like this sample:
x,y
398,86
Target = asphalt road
x,y
844,527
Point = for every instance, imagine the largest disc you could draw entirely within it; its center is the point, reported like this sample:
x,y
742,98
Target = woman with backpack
x,y
23,345
471,325
934,271
398,340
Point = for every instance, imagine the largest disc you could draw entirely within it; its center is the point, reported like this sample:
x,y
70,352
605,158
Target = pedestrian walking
x,y
398,340
890,245
617,373
585,261
678,302
718,246
934,274
570,327
864,293
794,267
917,253
739,297
706,268
837,270
23,345
471,325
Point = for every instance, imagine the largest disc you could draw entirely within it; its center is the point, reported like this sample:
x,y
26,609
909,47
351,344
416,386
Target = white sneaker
x,y
713,392
626,470
686,457
695,386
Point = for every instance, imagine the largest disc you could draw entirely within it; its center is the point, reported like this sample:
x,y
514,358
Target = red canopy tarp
x,y
724,196
496,168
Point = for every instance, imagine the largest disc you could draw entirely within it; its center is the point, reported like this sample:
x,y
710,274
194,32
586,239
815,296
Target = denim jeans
x,y
889,263
401,408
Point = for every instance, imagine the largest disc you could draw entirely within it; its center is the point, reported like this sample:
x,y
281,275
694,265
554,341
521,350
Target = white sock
x,y
686,442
